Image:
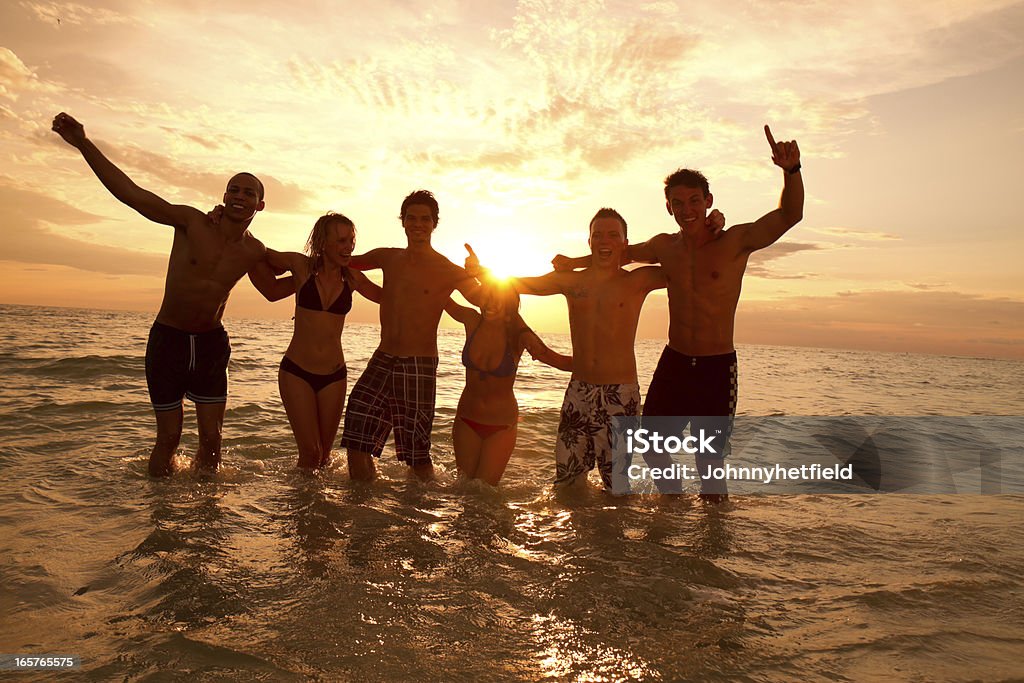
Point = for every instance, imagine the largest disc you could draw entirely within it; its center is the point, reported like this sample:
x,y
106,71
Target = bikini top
x,y
309,297
506,367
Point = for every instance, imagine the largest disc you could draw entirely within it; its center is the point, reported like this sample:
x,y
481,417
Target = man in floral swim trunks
x,y
604,309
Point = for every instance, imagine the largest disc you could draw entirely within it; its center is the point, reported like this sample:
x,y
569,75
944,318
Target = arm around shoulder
x,y
542,285
365,286
650,278
286,260
371,260
272,288
645,252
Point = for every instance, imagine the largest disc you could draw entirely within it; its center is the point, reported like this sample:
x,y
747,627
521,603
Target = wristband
x,y
795,169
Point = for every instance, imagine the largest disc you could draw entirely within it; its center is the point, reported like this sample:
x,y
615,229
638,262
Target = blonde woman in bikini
x,y
313,376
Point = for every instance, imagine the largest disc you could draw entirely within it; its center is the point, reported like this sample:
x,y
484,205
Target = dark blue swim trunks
x,y
182,364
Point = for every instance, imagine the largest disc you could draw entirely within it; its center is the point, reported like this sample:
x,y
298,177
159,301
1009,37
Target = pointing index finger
x,y
771,140
469,249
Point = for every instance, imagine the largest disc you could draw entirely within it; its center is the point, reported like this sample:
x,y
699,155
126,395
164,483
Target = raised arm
x,y
471,277
766,230
120,185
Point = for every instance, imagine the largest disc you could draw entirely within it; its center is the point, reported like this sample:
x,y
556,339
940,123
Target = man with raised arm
x,y
604,309
396,391
188,350
696,375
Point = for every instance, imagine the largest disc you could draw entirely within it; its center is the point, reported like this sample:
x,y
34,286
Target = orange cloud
x,y
16,78
27,241
914,321
283,197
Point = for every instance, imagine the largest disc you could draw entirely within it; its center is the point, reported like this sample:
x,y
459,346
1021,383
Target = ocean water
x,y
262,572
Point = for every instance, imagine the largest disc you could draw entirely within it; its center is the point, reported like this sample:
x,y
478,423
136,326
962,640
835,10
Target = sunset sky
x,y
524,119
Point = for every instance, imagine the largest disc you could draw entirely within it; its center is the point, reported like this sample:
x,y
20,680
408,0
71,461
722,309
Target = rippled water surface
x,y
264,573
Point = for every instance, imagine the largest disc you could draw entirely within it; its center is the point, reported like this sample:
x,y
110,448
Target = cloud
x,y
566,89
75,13
1003,342
928,321
857,234
17,78
600,94
26,240
283,197
757,265
220,141
97,77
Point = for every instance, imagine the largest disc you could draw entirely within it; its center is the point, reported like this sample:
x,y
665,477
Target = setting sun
x,y
506,258
537,115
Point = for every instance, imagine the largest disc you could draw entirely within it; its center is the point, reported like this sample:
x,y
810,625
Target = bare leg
x,y
330,404
360,466
210,417
494,455
714,498
467,445
301,407
424,471
168,436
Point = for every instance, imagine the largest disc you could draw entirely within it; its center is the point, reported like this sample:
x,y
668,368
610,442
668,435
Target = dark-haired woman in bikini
x,y
484,432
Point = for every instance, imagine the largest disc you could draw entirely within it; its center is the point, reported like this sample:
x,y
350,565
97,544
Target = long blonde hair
x,y
318,237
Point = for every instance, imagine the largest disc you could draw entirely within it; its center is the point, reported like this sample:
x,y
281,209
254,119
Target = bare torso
x,y
704,283
604,308
205,263
416,289
487,398
316,341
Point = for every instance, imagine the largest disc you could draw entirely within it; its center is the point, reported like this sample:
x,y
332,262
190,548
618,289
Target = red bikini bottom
x,y
483,430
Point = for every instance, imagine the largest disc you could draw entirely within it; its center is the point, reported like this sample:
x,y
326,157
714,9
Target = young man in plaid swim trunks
x,y
396,391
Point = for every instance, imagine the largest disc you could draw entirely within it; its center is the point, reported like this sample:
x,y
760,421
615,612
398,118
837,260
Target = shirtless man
x,y
188,349
696,375
604,308
396,391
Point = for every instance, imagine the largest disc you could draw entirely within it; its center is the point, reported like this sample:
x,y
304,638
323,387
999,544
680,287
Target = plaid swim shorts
x,y
394,392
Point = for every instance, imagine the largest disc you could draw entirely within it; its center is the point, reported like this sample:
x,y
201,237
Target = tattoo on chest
x,y
579,292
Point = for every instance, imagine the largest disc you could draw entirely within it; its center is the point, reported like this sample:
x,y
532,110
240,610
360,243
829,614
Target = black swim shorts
x,y
182,364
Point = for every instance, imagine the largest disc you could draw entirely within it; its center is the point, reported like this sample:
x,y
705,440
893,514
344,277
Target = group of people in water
x,y
700,264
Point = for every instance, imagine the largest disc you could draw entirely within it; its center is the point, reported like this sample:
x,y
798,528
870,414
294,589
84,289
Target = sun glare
x,y
506,260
